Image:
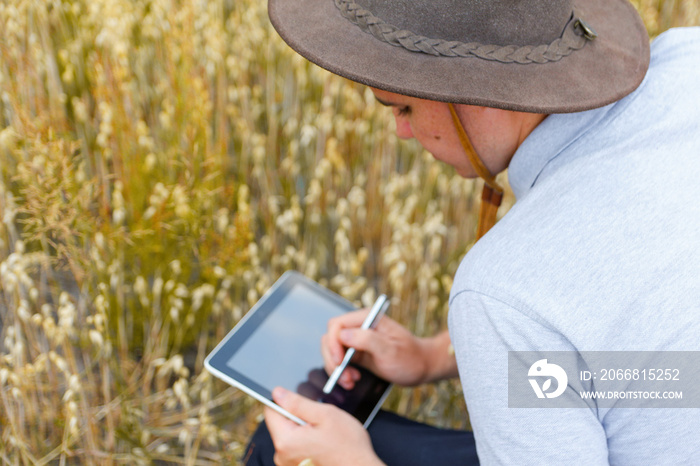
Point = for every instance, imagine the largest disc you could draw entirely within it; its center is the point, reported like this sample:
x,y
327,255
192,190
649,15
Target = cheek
x,y
432,127
431,137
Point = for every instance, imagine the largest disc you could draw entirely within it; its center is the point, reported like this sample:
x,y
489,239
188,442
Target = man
x,y
599,253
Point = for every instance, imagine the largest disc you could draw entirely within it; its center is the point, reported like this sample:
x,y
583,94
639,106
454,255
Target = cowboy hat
x,y
538,56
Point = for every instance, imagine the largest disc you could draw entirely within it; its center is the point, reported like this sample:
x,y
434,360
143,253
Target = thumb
x,y
302,407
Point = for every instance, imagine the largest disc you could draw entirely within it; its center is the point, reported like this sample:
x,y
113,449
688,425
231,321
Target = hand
x,y
331,436
389,350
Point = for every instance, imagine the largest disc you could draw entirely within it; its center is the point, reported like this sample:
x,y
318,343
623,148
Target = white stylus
x,y
375,314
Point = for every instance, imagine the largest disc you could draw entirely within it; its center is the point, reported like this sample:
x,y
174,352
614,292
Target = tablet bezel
x,y
216,361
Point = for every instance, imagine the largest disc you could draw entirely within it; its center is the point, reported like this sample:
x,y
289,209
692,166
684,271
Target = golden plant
x,y
161,164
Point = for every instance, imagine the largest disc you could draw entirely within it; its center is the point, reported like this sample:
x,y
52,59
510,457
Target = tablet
x,y
278,343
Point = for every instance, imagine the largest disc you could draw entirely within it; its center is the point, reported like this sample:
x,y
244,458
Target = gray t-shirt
x,y
601,252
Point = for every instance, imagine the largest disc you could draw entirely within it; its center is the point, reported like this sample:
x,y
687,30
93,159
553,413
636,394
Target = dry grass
x,y
660,15
161,164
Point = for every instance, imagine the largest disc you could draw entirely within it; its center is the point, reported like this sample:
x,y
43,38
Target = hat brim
x,y
603,71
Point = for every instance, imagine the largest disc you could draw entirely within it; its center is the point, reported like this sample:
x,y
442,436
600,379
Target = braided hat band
x,y
514,51
574,37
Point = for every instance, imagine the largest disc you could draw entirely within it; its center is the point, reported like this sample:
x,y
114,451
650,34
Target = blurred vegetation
x,y
161,164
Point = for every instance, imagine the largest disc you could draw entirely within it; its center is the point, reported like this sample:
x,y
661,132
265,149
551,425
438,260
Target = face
x,y
494,133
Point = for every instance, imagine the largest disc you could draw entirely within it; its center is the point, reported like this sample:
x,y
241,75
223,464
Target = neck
x,y
530,122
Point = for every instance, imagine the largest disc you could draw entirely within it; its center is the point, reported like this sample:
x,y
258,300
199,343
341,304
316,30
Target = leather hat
x,y
539,56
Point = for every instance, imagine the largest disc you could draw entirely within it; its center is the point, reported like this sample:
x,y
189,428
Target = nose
x,y
403,127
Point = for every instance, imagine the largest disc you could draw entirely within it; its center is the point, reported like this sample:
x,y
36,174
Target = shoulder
x,y
674,69
676,40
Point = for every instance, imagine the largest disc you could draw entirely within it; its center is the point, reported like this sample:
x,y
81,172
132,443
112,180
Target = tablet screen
x,y
288,342
278,343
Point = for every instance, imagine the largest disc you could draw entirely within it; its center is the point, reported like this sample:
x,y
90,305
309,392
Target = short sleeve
x,y
483,330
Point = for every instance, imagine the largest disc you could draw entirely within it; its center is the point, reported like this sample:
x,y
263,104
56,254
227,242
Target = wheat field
x,y
162,163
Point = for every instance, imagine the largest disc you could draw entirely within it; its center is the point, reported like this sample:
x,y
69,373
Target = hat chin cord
x,y
492,193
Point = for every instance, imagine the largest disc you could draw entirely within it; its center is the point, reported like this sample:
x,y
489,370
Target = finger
x,y
332,350
350,319
387,325
304,408
349,377
336,350
368,341
329,366
328,359
278,425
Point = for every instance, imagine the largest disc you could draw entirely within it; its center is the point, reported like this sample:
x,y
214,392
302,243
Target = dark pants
x,y
396,440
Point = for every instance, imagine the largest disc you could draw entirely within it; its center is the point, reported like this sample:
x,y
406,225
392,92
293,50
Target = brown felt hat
x,y
544,56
